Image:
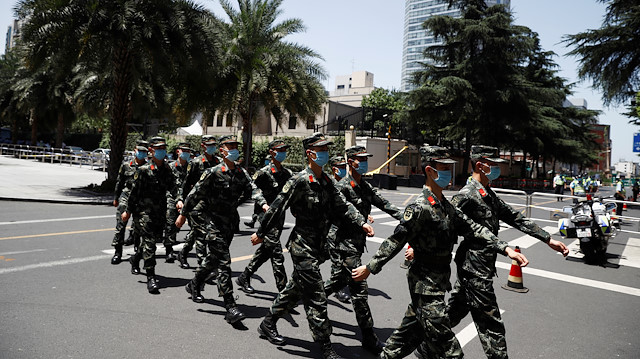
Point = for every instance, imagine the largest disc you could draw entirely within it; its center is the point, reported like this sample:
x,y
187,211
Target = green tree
x,y
383,108
129,53
263,71
610,55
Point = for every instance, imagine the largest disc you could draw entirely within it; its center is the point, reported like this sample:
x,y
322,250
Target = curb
x,y
59,201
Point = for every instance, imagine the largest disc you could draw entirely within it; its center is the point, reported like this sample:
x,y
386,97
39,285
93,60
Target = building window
x,y
340,87
229,120
210,121
310,123
293,120
219,118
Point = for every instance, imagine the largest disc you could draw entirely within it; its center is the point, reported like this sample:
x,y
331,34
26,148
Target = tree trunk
x,y
59,130
247,134
523,168
14,130
121,110
34,126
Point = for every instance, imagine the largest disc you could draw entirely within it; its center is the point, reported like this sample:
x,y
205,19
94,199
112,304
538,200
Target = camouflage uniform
x,y
313,202
123,188
270,180
431,227
218,194
152,184
350,243
197,220
179,173
476,265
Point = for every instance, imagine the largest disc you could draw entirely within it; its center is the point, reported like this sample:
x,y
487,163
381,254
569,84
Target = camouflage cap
x,y
435,153
275,144
142,145
357,151
486,152
157,141
185,146
337,161
316,140
223,140
209,140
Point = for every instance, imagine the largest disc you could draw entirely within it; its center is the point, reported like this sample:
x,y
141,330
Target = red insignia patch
x,y
482,192
353,184
311,179
273,170
431,200
224,169
153,167
131,163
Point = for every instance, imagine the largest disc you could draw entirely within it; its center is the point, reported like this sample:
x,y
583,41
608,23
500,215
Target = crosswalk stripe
x,y
468,333
382,215
527,241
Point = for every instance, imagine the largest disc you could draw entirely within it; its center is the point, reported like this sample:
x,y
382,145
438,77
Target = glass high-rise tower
x,y
416,39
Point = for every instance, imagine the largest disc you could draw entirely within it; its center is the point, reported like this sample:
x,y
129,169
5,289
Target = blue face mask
x,y
185,156
280,156
444,177
141,155
211,150
322,158
363,167
160,154
342,172
266,162
494,173
233,155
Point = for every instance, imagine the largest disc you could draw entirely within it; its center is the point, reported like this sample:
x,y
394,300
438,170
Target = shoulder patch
x,y
135,175
204,174
410,212
286,187
255,175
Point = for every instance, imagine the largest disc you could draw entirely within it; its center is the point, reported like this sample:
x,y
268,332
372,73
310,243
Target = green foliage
x,y
296,158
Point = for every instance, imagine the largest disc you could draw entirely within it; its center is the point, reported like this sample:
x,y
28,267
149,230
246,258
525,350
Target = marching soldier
x,y
476,264
431,226
314,202
197,224
123,188
350,242
219,191
257,211
339,169
179,168
270,179
153,183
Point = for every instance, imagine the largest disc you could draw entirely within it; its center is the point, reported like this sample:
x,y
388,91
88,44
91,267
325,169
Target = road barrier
x,y
53,155
555,213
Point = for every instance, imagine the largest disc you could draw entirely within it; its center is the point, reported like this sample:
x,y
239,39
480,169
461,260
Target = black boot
x,y
234,314
195,286
182,259
117,256
129,241
212,278
269,331
244,282
135,264
170,256
250,224
152,282
327,350
370,341
343,296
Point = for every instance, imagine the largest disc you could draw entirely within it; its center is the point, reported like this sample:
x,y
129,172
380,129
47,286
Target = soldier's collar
x,y
311,177
484,191
431,198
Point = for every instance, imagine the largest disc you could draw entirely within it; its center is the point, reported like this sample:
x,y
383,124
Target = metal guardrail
x,y
529,203
53,155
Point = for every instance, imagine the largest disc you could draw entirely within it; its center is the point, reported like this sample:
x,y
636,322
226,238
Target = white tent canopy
x,y
194,129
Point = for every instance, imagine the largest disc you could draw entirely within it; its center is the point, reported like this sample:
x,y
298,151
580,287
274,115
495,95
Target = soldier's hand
x,y
180,221
361,273
558,247
115,203
265,207
408,254
125,216
518,257
255,239
368,230
179,205
370,218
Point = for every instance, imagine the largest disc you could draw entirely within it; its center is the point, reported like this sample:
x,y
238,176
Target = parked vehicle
x,y
101,155
594,224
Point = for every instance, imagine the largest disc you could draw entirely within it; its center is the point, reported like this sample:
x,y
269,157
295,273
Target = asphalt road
x,y
61,297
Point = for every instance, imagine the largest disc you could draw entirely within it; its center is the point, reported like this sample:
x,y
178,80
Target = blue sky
x,y
354,35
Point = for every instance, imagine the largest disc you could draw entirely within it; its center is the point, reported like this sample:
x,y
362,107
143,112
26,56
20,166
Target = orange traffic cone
x,y
514,283
624,206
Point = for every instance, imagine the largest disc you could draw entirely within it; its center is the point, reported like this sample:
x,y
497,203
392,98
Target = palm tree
x,y
263,70
126,54
610,55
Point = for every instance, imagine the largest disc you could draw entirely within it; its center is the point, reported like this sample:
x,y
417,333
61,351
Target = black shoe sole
x,y
188,289
234,320
115,261
272,341
242,288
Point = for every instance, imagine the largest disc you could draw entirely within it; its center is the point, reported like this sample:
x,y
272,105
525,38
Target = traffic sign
x,y
636,142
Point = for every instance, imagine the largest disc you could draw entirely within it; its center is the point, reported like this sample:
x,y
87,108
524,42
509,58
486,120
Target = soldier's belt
x,y
431,261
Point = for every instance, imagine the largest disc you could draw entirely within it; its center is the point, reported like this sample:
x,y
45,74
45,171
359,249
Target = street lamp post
x,y
388,142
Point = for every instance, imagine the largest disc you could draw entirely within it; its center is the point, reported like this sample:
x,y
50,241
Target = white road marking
x,y
468,333
53,264
57,220
22,252
575,280
391,223
382,215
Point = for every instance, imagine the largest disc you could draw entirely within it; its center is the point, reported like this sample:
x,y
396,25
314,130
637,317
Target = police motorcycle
x,y
594,224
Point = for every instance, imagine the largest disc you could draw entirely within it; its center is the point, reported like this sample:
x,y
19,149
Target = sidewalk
x,y
31,180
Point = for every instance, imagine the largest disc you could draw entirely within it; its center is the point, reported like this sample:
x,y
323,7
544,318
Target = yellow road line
x,y
57,234
408,199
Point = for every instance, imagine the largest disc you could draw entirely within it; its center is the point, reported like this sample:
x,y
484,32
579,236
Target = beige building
x,y
350,89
